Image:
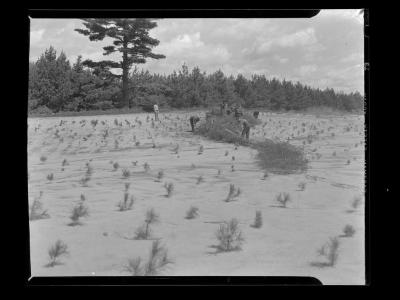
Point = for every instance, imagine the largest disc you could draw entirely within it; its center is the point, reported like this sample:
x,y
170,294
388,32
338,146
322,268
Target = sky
x,y
323,51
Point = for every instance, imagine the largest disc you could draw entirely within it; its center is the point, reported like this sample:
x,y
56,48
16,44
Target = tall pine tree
x,y
130,37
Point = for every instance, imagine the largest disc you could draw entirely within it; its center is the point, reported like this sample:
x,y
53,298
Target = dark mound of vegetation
x,y
280,157
225,128
276,157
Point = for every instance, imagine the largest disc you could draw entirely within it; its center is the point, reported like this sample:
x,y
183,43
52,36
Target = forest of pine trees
x,y
55,85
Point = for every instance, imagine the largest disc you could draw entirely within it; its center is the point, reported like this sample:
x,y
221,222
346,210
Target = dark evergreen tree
x,y
130,37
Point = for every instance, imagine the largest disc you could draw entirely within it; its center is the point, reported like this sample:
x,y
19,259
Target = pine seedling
x,y
348,231
77,213
169,187
229,236
283,199
56,251
192,213
258,222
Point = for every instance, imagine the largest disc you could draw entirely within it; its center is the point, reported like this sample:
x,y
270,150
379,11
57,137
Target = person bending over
x,y
193,121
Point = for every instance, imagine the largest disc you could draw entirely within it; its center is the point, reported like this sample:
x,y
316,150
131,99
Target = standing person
x,y
246,128
155,108
193,121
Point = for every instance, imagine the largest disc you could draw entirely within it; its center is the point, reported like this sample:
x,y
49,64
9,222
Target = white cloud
x,y
300,38
307,69
36,36
350,14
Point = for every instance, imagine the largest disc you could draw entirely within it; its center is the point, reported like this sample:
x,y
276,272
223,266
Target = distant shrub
x,y
126,203
302,186
56,251
233,193
144,231
258,222
331,251
158,259
77,213
348,231
229,236
36,211
192,213
283,199
160,175
169,187
126,173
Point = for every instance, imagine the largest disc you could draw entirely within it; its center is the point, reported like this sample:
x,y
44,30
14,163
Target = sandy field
x,y
285,245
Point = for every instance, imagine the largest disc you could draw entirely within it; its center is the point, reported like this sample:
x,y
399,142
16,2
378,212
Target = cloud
x,y
36,36
300,38
321,51
306,69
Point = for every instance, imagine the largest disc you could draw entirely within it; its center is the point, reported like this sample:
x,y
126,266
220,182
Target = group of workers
x,y
225,110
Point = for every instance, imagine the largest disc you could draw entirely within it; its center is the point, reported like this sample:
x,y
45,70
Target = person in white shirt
x,y
155,107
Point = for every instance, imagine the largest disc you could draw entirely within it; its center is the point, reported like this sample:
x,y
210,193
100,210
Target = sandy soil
x,y
285,245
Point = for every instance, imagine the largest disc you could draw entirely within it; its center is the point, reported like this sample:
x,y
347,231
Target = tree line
x,y
57,85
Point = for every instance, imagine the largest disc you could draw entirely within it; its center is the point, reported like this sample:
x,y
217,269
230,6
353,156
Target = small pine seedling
x,y
169,187
283,199
126,173
229,236
56,251
258,222
78,212
192,213
348,231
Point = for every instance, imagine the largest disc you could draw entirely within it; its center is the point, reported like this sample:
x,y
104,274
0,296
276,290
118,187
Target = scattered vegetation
x,y
330,251
79,211
192,213
56,251
283,199
229,236
144,231
169,187
36,211
258,222
348,231
127,202
233,193
158,260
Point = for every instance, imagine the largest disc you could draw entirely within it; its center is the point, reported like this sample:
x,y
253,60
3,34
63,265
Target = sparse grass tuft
x,y
348,231
144,231
200,179
78,212
126,173
56,251
258,222
158,259
283,199
302,186
229,236
160,175
330,251
169,187
36,211
192,213
233,193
